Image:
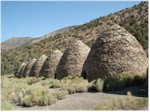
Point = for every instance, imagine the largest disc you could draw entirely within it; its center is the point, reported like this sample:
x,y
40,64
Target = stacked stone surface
x,y
49,67
72,60
114,52
36,68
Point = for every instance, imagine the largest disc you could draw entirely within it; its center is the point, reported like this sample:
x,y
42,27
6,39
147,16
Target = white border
x,y
77,0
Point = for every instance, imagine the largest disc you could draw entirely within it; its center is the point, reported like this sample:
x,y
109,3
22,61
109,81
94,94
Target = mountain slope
x,y
52,34
15,42
134,19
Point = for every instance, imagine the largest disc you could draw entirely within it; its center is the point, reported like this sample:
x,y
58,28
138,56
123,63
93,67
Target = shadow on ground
x,y
139,91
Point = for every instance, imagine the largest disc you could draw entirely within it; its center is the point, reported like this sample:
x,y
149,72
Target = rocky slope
x,y
134,20
15,42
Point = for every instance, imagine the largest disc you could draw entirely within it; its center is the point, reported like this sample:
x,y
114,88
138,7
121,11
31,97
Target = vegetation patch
x,y
36,96
71,84
96,85
7,105
123,103
32,91
27,92
34,80
124,80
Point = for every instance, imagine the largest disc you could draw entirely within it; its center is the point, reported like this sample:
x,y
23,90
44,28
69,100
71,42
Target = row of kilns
x,y
57,65
114,52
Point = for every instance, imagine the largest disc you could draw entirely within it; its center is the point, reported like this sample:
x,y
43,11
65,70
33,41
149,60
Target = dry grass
x,y
71,84
7,105
123,103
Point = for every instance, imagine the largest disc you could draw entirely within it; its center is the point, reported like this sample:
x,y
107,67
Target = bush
x,y
55,84
33,80
112,84
98,85
45,82
123,103
60,94
48,99
71,84
26,101
7,105
132,79
37,96
19,92
76,88
124,80
74,85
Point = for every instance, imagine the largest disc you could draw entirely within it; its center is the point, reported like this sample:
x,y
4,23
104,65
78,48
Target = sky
x,y
36,18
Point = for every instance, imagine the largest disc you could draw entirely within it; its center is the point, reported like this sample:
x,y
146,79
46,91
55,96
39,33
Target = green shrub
x,y
20,92
60,94
98,85
7,105
71,84
124,80
26,101
33,80
112,84
47,99
132,79
37,96
55,84
45,82
76,88
74,84
69,77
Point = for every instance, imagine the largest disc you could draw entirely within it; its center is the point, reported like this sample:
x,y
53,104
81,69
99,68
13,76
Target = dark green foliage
x,y
112,84
125,80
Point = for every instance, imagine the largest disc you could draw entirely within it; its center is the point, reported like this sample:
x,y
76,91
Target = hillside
x,y
134,19
15,42
51,34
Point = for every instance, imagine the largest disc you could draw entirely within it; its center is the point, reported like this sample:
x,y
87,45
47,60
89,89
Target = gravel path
x,y
77,101
80,101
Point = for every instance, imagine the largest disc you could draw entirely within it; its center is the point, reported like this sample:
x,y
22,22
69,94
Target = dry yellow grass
x,y
123,103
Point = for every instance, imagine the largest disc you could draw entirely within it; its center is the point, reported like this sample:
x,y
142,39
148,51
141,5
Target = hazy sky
x,y
34,19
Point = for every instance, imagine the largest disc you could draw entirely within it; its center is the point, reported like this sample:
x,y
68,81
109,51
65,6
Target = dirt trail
x,y
77,101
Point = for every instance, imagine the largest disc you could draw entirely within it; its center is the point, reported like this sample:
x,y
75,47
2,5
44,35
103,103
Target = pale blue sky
x,y
34,19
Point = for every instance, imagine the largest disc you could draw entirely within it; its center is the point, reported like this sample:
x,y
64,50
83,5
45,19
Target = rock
x,y
114,52
129,93
49,67
72,60
36,68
